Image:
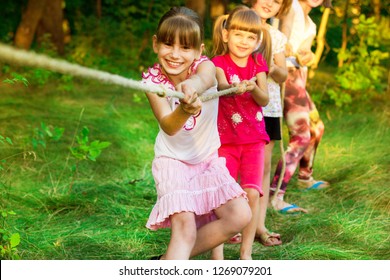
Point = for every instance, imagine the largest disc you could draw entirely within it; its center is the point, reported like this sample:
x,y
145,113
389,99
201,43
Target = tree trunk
x,y
377,9
321,39
217,8
344,34
26,31
99,9
51,23
199,6
41,17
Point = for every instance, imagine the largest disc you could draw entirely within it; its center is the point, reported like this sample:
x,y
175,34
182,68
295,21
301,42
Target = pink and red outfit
x,y
189,175
302,118
241,124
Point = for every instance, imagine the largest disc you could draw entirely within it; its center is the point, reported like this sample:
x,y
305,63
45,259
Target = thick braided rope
x,y
20,57
28,58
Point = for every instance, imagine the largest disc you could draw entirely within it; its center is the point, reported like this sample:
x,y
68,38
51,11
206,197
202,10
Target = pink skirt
x,y
199,188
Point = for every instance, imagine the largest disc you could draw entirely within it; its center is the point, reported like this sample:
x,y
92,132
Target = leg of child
x,y
262,234
183,236
233,216
248,233
217,253
266,182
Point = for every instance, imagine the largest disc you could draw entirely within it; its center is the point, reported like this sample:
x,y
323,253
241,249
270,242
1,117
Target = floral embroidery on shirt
x,y
235,79
236,118
259,116
156,76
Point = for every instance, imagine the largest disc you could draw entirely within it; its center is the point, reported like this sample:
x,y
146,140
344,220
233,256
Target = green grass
x,y
103,215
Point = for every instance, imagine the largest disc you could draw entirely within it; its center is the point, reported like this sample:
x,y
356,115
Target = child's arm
x,y
203,79
278,69
305,55
258,89
222,81
224,84
285,26
172,121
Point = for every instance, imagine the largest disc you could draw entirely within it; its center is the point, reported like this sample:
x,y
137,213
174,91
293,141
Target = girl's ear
x,y
201,50
155,44
225,35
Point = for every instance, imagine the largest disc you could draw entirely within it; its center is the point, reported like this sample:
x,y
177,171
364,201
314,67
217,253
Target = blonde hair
x,y
244,19
183,22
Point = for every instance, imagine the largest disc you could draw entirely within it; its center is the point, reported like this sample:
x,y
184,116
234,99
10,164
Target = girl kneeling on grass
x,y
196,196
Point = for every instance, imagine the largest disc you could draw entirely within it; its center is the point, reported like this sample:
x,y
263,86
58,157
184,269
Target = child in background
x,y
241,124
304,124
197,197
267,9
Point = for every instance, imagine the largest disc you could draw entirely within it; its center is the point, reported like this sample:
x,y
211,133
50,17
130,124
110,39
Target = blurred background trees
x,y
116,35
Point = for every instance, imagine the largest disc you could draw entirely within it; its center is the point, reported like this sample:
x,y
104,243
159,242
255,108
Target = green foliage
x,y
46,133
16,79
362,75
9,241
85,149
4,140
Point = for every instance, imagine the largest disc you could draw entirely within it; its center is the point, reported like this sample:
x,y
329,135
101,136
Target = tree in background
x,y
39,18
363,53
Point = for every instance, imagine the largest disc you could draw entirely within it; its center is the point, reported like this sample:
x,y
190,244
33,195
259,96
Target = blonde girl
x,y
242,49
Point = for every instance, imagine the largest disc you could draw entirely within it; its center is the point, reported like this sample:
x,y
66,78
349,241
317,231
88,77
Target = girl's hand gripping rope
x,y
190,103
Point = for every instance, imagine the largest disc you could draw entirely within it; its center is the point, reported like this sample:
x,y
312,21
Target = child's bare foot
x,y
311,184
286,208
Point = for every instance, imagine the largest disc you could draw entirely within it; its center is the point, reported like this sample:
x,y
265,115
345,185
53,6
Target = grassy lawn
x,y
69,209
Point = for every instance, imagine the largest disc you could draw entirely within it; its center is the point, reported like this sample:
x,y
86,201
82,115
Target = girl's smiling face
x,y
241,44
314,3
175,59
267,8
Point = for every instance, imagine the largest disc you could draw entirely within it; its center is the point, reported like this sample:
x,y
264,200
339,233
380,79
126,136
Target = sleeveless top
x,y
198,138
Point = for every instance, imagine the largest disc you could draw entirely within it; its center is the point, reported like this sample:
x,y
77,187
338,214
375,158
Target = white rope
x,y
20,57
28,58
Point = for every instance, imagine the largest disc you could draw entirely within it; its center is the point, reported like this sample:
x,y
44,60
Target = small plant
x,y
86,150
16,79
8,240
46,133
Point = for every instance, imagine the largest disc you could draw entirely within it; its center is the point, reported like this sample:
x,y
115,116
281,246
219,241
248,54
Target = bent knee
x,y
240,216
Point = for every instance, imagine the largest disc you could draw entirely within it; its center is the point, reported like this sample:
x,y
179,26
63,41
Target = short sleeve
x,y
218,61
279,41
